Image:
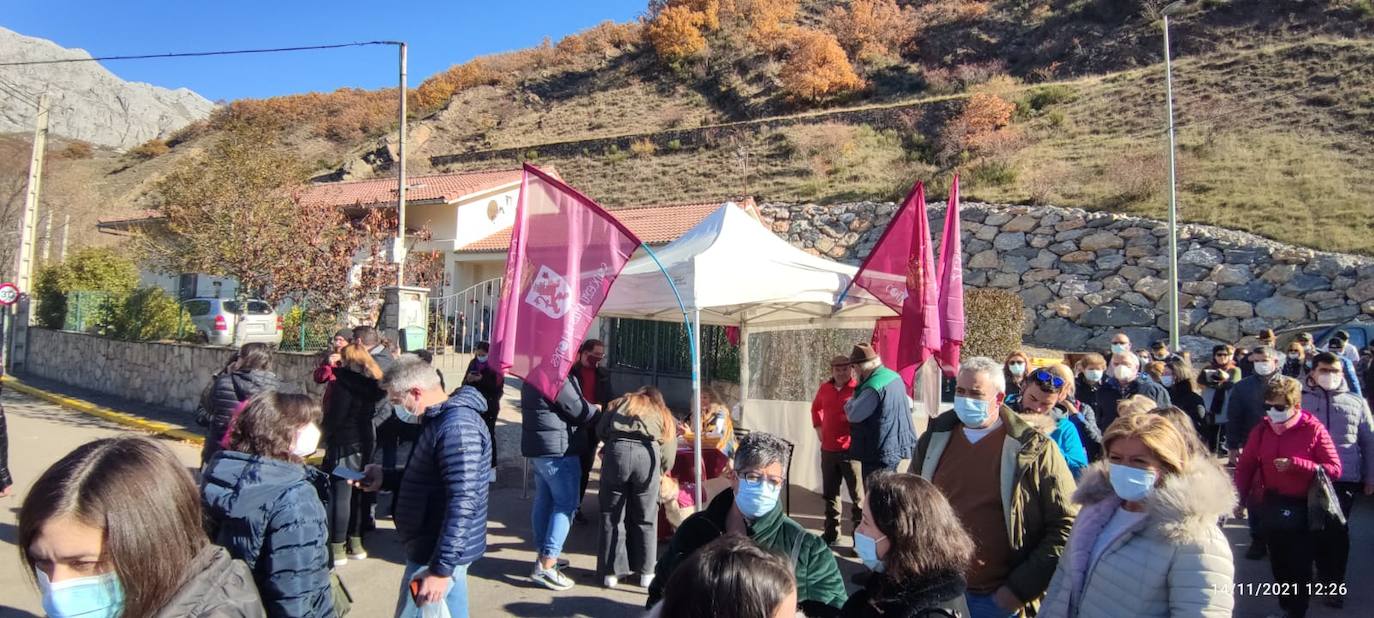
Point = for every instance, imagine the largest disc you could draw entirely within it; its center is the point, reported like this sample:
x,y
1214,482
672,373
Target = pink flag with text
x,y
900,272
565,252
951,307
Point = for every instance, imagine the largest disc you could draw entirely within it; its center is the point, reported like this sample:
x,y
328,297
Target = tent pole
x,y
744,375
693,323
696,404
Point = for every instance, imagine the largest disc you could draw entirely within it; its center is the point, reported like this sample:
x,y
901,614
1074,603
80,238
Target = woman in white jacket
x,y
1146,541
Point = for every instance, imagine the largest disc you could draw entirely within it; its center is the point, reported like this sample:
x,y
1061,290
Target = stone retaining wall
x,y
162,374
1084,275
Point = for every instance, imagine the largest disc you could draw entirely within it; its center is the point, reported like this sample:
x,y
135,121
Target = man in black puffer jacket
x,y
441,514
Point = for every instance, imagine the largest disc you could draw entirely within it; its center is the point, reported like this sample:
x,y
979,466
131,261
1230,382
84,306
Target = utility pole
x,y
66,226
399,255
46,243
30,220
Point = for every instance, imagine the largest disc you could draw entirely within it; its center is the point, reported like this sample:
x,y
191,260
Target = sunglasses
x,y
1047,381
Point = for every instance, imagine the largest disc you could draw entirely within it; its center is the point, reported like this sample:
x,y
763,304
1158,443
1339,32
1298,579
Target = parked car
x,y
215,318
1361,333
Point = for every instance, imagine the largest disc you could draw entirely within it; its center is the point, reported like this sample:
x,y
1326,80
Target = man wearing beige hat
x,y
881,434
832,427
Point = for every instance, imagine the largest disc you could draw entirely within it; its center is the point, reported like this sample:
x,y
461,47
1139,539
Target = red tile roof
x,y
654,225
444,188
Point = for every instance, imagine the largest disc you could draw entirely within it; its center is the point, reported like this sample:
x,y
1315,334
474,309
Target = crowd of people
x,y
1096,486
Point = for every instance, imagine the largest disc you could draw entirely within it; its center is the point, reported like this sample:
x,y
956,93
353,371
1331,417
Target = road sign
x,y
9,294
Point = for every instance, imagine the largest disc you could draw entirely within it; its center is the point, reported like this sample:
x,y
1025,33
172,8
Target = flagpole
x,y
692,338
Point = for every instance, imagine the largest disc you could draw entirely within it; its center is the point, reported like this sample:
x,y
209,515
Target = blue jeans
x,y
982,606
456,599
556,496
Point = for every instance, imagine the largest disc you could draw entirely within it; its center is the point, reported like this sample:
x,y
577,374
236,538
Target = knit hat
x,y
862,353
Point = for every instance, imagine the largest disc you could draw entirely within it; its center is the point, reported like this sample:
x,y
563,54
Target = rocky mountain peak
x,y
89,102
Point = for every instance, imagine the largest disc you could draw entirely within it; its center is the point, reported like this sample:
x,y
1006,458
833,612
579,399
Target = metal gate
x,y
464,318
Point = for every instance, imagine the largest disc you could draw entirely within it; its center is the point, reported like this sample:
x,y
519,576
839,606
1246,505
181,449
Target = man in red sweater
x,y
832,427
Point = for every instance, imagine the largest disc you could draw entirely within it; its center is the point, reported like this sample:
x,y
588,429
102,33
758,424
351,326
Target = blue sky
x,y
439,34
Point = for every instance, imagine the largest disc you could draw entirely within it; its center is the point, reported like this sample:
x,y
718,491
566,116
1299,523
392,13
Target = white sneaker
x,y
646,580
552,579
610,581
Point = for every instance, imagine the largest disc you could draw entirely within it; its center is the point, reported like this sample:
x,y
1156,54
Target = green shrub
x,y
1055,118
319,329
1040,98
993,320
87,270
993,173
674,144
144,314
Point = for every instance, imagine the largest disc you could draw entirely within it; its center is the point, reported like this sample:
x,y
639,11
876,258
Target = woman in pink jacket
x,y
1280,461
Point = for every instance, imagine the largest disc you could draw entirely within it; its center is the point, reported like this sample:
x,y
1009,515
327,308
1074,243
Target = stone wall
x,y
163,374
1084,275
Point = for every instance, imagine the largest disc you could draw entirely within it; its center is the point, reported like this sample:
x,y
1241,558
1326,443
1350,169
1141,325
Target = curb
x,y
126,419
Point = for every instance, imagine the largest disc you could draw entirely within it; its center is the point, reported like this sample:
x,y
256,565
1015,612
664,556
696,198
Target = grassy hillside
x,y
1275,113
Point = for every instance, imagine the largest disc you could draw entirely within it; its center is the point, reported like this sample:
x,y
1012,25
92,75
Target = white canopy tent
x,y
730,270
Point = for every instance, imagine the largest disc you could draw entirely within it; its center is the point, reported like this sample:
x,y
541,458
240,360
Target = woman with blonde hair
x,y
1135,404
640,444
1149,503
349,440
1015,368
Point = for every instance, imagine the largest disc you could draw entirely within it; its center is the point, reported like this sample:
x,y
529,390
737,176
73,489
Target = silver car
x,y
215,320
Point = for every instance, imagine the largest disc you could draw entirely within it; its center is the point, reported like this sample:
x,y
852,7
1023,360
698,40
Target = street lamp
x,y
1175,8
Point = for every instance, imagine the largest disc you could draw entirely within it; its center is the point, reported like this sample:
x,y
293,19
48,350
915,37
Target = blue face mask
x,y
98,596
405,415
971,412
481,358
756,499
867,549
1132,484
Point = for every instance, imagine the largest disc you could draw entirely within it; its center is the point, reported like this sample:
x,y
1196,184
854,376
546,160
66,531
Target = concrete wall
x,y
162,374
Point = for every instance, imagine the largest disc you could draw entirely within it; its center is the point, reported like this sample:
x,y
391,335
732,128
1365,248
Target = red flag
x,y
951,307
900,272
565,252
887,337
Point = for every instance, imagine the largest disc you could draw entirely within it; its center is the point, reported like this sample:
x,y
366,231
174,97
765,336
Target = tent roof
x,y
737,272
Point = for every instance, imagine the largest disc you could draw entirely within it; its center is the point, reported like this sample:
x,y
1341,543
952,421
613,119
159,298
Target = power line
x,y
15,90
198,54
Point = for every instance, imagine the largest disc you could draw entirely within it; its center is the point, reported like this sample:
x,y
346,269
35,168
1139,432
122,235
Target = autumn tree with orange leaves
x,y
817,68
874,30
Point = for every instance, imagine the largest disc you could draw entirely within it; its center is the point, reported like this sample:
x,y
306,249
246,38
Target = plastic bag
x,y
429,610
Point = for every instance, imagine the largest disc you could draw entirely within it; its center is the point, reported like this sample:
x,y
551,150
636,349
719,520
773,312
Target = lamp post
x,y
1173,9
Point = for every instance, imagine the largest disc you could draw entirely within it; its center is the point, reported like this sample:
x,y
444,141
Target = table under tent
x,y
730,270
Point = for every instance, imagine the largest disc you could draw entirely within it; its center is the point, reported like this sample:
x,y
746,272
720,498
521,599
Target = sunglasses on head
x,y
1046,380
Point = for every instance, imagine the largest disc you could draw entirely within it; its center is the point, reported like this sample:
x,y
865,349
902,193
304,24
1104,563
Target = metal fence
x,y
84,311
662,348
462,319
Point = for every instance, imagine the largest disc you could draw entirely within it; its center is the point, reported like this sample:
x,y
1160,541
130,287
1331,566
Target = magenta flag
x,y
951,307
887,337
565,252
900,272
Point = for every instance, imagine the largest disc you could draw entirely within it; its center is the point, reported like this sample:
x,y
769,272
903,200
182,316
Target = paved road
x,y
40,433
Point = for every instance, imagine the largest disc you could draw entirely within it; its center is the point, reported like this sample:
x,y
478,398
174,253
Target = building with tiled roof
x,y
655,225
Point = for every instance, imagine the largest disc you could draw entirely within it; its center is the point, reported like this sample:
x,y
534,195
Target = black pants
x,y
490,419
1333,544
5,479
628,495
345,504
1211,435
1291,555
588,459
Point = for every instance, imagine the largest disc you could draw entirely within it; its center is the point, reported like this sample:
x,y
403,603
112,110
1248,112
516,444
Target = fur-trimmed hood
x,y
1185,508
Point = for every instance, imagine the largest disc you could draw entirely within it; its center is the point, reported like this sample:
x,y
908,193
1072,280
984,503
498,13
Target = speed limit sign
x,y
9,294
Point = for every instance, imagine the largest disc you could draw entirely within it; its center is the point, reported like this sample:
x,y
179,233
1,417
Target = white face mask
x,y
307,440
1093,375
1329,381
1278,416
1123,373
1264,368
